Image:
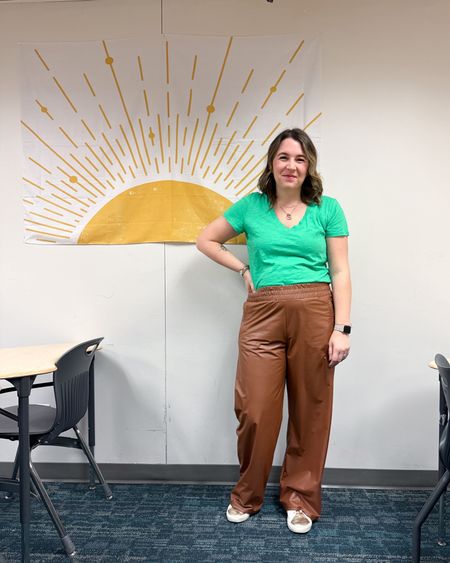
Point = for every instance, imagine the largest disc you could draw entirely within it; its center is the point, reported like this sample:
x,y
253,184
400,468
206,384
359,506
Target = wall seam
x,y
165,355
165,312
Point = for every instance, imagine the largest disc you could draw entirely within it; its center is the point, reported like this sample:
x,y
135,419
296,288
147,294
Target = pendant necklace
x,y
289,213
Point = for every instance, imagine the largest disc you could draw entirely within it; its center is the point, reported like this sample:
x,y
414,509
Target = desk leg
x,y
91,421
23,386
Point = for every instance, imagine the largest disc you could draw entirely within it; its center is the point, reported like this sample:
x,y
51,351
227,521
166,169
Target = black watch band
x,y
345,329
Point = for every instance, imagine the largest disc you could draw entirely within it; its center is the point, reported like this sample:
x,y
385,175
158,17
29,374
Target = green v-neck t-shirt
x,y
280,255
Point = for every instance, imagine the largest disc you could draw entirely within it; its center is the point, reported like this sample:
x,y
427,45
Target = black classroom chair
x,y
71,389
444,456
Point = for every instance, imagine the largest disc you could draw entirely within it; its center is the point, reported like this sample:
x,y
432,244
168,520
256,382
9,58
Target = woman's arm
x,y
211,242
337,251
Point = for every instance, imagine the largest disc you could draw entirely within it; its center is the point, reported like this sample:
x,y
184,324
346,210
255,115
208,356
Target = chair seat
x,y
42,418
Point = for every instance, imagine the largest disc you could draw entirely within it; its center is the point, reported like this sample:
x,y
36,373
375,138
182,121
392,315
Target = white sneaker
x,y
298,522
236,516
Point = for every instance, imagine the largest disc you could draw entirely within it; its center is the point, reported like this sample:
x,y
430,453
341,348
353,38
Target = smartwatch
x,y
345,329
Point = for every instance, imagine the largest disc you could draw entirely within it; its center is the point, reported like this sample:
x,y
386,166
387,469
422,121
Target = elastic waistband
x,y
294,291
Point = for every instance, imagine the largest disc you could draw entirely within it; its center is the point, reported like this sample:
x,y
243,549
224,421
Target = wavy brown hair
x,y
311,190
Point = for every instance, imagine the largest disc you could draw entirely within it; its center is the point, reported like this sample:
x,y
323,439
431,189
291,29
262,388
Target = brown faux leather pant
x,y
284,339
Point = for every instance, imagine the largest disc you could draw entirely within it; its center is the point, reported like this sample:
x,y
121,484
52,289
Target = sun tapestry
x,y
131,141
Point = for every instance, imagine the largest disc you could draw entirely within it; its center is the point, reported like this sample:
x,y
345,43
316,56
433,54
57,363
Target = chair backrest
x,y
71,386
444,376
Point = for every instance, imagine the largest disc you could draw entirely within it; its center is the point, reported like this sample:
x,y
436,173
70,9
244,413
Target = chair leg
x,y
69,547
425,511
16,465
93,463
441,541
9,495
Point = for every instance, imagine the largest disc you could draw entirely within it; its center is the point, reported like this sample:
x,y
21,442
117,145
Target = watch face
x,y
347,329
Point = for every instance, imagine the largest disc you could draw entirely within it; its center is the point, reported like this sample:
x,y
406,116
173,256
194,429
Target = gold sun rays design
x,y
123,147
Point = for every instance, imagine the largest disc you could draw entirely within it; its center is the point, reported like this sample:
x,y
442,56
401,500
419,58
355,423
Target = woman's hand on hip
x,y
338,348
248,282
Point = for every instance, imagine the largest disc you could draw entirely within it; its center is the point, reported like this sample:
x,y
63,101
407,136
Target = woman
x,y
294,330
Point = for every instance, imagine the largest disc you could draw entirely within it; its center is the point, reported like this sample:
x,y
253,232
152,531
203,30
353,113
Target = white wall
x,y
170,317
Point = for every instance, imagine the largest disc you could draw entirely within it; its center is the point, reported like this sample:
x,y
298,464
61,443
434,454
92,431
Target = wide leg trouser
x,y
284,340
